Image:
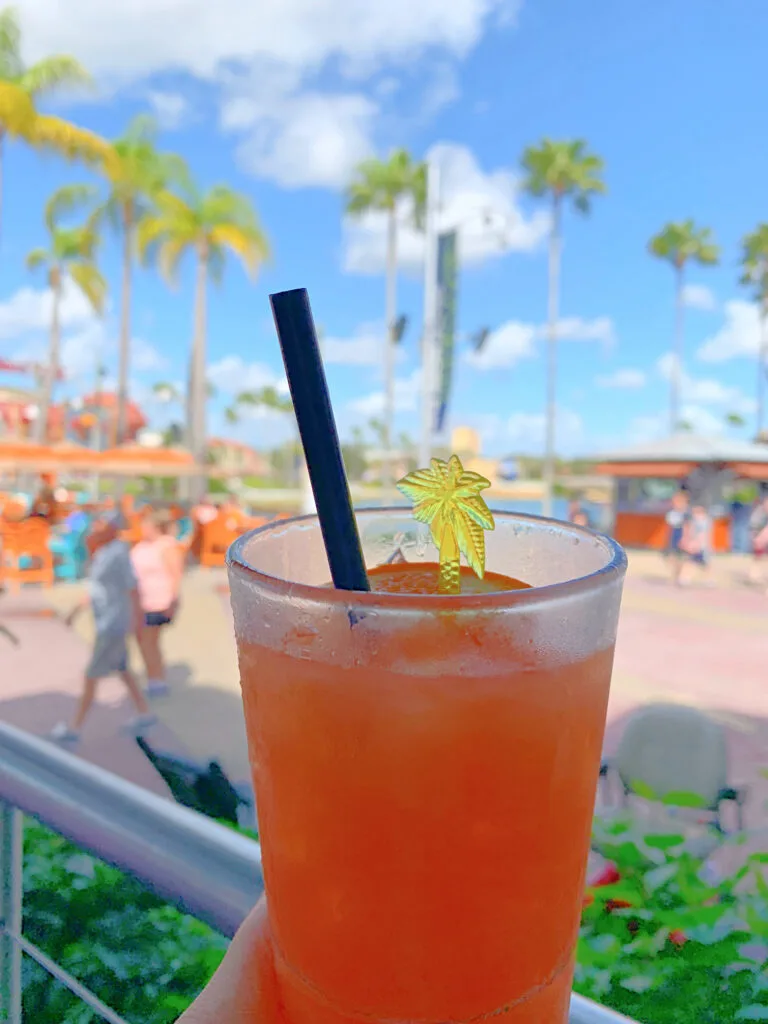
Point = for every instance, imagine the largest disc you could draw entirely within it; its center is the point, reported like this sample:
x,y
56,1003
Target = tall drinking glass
x,y
425,769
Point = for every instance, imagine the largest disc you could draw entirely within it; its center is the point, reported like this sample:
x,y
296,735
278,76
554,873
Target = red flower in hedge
x,y
609,875
678,938
611,905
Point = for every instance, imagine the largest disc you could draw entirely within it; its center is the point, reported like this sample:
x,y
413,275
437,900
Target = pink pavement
x,y
699,646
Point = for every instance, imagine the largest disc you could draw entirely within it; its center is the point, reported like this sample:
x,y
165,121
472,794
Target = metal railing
x,y
207,870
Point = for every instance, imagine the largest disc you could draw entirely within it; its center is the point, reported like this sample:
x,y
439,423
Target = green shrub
x,y
142,957
665,945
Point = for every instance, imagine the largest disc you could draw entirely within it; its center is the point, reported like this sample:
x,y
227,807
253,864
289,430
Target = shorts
x,y
676,540
109,656
157,619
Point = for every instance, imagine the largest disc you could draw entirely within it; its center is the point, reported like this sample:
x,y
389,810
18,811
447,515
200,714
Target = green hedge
x,y
142,957
661,944
664,945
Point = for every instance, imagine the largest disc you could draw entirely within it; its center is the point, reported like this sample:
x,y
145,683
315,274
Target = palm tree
x,y
558,171
20,88
383,185
70,255
166,392
209,225
680,243
754,264
136,174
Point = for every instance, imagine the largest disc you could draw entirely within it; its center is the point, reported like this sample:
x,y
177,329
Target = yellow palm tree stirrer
x,y
447,498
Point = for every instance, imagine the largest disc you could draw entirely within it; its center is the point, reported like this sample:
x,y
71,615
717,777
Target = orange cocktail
x,y
425,769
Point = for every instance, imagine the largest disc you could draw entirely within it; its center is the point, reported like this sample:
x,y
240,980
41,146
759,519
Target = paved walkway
x,y
706,647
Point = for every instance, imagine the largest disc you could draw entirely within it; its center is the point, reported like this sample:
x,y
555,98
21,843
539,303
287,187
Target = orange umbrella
x,y
27,455
138,461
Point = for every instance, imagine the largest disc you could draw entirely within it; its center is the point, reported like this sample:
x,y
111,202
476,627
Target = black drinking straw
x,y
319,437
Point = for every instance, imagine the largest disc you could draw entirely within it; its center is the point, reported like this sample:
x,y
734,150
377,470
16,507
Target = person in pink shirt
x,y
158,564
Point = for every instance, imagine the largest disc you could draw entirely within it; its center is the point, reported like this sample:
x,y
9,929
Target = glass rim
x,y
614,568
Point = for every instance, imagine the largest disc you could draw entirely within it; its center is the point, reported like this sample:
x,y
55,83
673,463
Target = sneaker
x,y
156,688
136,726
62,733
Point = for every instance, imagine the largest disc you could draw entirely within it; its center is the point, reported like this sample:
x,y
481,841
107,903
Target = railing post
x,y
11,893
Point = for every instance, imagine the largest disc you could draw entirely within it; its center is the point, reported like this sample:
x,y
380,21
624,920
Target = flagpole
x,y
429,337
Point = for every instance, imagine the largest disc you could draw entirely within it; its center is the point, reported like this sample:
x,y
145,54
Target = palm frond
x,y
562,169
169,255
248,244
679,242
68,140
53,73
37,258
10,45
17,111
380,184
150,230
91,283
165,391
66,200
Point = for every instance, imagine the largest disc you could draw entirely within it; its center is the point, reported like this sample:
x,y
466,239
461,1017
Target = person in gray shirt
x,y
114,600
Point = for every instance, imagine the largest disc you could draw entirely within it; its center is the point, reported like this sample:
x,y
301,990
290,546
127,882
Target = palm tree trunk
x,y
199,396
189,427
553,313
676,373
762,370
120,424
389,352
51,372
2,140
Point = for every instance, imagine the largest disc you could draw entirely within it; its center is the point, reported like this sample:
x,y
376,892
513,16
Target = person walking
x,y
676,519
114,601
758,532
697,538
158,562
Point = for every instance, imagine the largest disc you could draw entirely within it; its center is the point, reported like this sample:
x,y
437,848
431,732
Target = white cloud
x,y
364,348
232,375
505,347
302,139
407,395
574,328
653,426
627,379
172,109
28,311
698,296
292,132
483,205
739,335
705,391
145,357
665,365
524,431
199,37
441,90
516,340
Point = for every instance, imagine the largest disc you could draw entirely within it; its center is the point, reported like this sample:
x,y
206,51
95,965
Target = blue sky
x,y
282,98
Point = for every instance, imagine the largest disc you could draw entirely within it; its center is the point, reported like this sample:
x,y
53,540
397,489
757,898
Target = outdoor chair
x,y
217,535
25,552
669,753
70,554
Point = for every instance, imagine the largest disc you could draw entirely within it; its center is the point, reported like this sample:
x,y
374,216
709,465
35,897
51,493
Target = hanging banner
x,y
447,280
